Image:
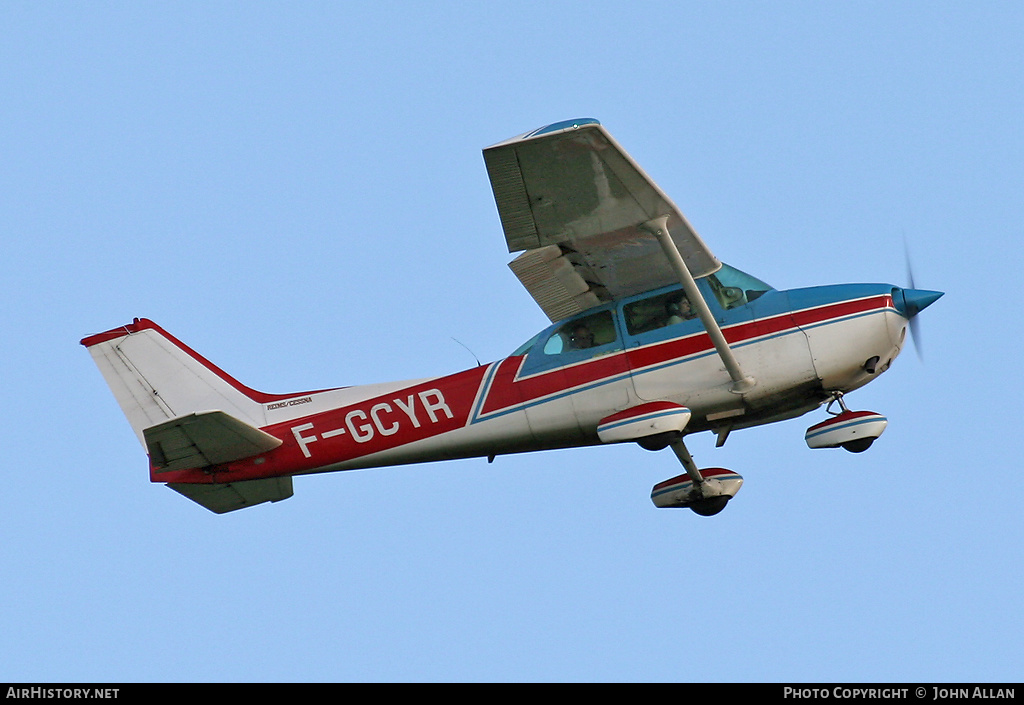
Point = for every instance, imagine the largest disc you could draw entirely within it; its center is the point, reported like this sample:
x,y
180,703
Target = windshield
x,y
525,347
734,288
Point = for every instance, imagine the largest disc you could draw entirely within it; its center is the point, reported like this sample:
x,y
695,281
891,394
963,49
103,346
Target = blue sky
x,y
296,190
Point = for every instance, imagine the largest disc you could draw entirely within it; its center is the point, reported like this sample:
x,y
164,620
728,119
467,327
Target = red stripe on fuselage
x,y
507,389
143,324
444,404
339,435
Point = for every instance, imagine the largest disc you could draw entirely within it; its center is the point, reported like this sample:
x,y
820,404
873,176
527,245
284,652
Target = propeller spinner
x,y
910,302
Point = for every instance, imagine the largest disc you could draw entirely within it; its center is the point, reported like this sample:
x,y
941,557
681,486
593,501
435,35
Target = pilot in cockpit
x,y
582,337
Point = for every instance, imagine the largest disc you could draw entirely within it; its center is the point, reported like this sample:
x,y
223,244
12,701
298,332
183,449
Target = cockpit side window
x,y
657,311
591,331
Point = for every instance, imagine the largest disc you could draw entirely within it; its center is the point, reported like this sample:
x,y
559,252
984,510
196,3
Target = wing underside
x,y
576,202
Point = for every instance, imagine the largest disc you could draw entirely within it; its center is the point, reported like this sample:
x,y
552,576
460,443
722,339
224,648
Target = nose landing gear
x,y
853,430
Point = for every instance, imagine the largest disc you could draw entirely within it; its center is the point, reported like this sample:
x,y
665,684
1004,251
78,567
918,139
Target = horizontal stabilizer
x,y
204,438
227,497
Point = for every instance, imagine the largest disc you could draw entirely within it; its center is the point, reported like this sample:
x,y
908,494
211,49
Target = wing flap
x,y
572,186
202,439
227,497
553,282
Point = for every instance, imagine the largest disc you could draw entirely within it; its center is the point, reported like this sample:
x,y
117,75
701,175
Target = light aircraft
x,y
652,338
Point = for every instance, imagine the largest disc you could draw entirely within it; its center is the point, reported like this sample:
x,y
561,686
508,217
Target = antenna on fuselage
x,y
478,363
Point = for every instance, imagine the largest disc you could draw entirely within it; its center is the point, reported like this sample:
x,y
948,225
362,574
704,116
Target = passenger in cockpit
x,y
678,310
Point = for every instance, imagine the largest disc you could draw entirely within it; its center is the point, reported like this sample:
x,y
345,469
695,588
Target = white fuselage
x,y
798,355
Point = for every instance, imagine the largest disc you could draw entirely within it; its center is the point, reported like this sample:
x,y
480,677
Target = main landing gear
x,y
705,491
853,430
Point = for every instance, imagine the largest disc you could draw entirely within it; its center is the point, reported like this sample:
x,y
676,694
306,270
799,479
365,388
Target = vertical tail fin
x,y
187,413
155,377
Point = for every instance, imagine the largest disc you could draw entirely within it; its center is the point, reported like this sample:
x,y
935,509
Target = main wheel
x,y
859,446
710,506
659,441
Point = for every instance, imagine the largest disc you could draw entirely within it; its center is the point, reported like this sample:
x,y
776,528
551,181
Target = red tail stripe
x,y
141,324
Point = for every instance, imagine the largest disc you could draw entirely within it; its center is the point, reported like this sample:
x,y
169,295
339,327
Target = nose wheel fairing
x,y
853,430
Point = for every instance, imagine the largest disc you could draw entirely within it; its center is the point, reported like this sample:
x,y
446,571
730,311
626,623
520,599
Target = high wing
x,y
572,198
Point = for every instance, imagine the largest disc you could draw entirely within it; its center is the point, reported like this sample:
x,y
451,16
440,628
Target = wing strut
x,y
659,228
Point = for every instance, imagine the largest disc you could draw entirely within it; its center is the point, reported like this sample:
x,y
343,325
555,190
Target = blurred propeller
x,y
911,301
915,327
